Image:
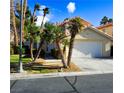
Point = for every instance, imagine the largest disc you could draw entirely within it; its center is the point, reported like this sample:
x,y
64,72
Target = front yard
x,y
38,67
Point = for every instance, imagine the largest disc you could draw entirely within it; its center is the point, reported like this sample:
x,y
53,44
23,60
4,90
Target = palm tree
x,y
18,13
13,22
65,43
75,27
58,39
33,35
33,19
24,15
45,11
36,8
54,34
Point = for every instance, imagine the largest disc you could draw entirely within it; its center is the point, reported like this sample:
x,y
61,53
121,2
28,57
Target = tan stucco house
x,y
93,42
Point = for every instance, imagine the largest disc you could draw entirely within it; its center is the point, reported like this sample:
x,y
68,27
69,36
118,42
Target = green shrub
x,y
55,53
23,50
42,53
17,50
11,51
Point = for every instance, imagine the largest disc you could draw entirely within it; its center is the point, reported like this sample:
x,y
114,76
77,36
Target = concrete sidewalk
x,y
18,76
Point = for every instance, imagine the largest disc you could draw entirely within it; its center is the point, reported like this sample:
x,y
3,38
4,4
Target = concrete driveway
x,y
94,64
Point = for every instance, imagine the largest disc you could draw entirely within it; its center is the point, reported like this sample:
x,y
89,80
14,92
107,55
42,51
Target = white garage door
x,y
87,49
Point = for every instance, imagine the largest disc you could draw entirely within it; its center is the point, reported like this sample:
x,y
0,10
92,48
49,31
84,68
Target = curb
x,y
19,76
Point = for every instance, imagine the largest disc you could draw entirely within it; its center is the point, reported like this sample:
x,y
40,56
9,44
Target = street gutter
x,y
18,76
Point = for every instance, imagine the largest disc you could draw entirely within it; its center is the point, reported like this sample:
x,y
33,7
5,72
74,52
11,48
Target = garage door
x,y
87,49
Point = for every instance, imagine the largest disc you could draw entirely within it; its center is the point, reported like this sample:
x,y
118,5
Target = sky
x,y
90,10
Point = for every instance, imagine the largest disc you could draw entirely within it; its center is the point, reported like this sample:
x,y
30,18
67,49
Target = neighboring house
x,y
107,28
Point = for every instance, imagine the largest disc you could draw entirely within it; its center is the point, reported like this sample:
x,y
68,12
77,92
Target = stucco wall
x,y
90,35
108,30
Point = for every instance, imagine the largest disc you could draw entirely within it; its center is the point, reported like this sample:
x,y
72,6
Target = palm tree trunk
x,y
64,50
23,21
34,12
62,55
14,23
42,22
70,50
31,39
31,48
39,50
41,43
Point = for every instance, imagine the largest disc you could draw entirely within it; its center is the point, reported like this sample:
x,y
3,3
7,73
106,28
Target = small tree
x,y
106,20
45,12
110,20
33,29
75,26
13,24
55,34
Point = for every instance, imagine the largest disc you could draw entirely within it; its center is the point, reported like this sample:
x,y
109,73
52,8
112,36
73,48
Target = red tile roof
x,y
103,26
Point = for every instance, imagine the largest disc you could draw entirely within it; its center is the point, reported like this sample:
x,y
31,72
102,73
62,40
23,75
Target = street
x,y
100,83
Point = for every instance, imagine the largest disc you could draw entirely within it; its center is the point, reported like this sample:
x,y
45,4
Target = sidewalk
x,y
16,76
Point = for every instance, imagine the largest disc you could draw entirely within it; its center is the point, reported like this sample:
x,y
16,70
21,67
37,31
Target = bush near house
x,y
55,53
11,51
42,53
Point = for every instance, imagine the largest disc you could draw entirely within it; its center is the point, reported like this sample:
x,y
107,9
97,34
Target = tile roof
x,y
104,26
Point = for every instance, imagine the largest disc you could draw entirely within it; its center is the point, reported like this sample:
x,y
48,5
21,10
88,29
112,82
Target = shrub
x,y
11,51
55,53
27,50
42,53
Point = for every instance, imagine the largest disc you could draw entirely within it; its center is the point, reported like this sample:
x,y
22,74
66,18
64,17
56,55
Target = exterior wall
x,y
106,48
91,36
107,29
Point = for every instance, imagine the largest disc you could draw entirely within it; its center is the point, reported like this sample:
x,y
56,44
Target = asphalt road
x,y
102,83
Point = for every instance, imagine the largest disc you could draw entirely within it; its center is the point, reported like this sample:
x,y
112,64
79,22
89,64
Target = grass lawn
x,y
14,60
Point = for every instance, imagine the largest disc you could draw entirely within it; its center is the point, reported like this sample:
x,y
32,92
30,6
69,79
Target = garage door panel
x,y
87,49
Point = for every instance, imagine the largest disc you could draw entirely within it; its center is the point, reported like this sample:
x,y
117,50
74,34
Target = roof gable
x,y
92,33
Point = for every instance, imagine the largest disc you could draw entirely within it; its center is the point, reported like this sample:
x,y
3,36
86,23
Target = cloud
x,y
42,6
40,18
71,7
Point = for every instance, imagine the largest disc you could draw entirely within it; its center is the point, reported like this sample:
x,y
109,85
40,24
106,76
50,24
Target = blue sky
x,y
90,10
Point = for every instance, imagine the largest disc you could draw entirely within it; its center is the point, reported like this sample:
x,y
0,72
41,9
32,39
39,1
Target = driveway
x,y
94,64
